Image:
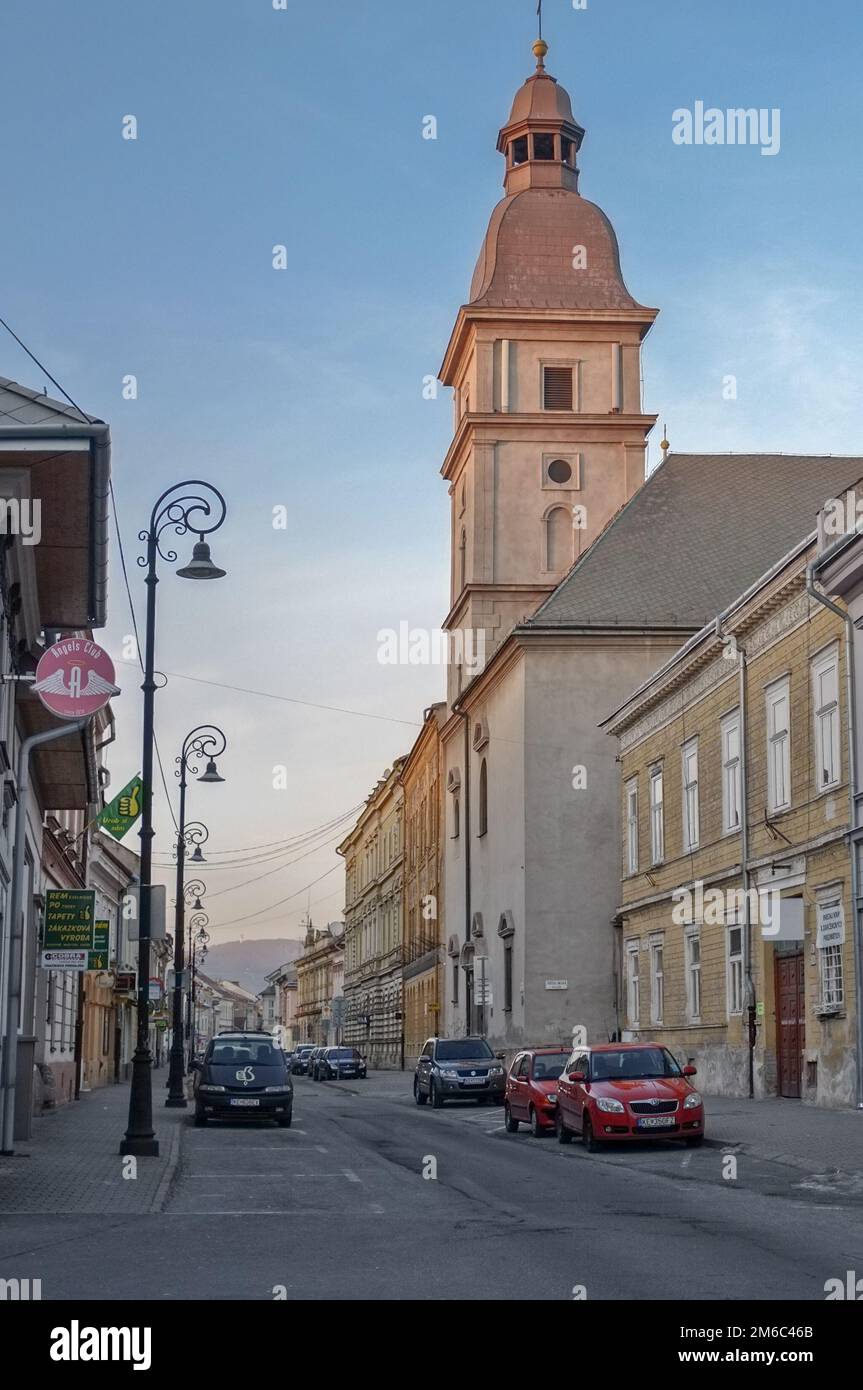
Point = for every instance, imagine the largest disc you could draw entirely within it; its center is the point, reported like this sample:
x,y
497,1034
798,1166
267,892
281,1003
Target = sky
x,y
301,389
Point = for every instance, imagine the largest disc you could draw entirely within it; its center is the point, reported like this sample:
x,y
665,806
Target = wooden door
x,y
790,1022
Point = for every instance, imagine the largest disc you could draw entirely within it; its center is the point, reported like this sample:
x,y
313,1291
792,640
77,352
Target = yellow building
x,y
320,975
423,895
735,943
374,857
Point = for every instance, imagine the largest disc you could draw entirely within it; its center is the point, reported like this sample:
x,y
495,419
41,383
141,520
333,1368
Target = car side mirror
x,y
500,1056
690,1071
578,1076
196,1065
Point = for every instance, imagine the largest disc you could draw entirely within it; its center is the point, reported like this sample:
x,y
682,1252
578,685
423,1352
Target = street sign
x,y
125,982
132,906
75,678
98,957
64,960
154,989
69,919
120,814
482,992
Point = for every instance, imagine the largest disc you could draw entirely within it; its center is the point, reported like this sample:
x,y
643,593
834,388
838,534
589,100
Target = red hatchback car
x,y
626,1091
531,1088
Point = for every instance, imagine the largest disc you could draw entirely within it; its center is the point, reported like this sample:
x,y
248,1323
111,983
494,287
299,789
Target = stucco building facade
x,y
423,883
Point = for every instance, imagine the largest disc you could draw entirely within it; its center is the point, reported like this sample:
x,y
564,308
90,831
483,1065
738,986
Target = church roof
x,y
526,258
699,532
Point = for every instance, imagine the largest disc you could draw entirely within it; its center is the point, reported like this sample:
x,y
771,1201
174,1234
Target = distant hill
x,y
249,962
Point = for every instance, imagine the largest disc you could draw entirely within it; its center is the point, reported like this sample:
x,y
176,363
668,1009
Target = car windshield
x,y
343,1054
633,1064
463,1050
549,1065
244,1052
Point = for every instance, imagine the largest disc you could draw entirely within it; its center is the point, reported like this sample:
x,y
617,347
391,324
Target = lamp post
x,y
193,892
200,508
200,941
205,741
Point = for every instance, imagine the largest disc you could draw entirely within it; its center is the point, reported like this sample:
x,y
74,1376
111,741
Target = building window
x,y
657,826
690,794
633,986
830,973
559,472
456,816
507,975
455,980
657,981
734,981
632,827
557,388
462,558
778,746
729,733
483,798
693,977
519,150
825,702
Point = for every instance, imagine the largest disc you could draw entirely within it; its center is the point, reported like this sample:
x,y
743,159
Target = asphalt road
x,y
338,1206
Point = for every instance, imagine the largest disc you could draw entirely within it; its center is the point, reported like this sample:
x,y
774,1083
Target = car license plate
x,y
244,1100
657,1122
474,1080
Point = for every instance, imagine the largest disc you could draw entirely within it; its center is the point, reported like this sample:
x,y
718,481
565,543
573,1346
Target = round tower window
x,y
559,471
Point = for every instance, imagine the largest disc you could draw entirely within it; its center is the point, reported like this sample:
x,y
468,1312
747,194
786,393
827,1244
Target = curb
x,y
160,1199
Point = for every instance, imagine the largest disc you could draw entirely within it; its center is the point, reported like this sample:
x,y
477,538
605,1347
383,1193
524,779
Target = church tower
x,y
545,364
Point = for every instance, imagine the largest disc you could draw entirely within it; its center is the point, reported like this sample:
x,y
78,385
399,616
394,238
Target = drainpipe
x,y
466,823
731,644
851,704
15,939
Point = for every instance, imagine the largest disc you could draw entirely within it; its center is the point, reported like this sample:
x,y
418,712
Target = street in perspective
x,y
431,678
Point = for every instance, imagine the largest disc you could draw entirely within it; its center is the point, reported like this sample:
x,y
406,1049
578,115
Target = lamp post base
x,y
140,1148
176,1103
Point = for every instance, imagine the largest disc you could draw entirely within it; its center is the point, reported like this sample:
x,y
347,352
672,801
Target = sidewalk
x,y
73,1164
786,1131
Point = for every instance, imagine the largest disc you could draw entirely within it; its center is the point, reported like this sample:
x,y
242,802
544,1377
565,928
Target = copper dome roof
x,y
527,256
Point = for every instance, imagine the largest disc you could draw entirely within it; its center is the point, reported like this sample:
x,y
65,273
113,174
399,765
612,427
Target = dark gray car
x,y
458,1069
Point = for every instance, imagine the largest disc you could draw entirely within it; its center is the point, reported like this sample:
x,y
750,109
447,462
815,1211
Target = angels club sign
x,y
75,678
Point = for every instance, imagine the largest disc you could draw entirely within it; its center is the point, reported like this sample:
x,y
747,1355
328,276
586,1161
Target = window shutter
x,y
557,388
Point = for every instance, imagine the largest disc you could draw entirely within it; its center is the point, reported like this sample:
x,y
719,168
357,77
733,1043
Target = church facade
x,y
578,579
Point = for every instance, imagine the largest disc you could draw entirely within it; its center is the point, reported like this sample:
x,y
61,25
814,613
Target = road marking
x,y
321,1150
687,1159
499,1129
376,1209
351,1175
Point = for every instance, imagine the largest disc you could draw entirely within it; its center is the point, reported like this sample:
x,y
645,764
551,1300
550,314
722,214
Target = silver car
x,y
458,1069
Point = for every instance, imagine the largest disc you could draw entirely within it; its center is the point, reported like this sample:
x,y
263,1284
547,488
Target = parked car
x,y
455,1068
627,1091
243,1076
531,1089
314,1058
340,1061
300,1063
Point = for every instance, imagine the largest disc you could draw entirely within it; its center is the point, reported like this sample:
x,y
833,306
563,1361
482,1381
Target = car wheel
x,y
200,1120
536,1128
418,1095
564,1135
284,1121
695,1141
509,1119
587,1136
435,1096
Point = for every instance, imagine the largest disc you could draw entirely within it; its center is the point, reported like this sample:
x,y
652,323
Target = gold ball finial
x,y
540,48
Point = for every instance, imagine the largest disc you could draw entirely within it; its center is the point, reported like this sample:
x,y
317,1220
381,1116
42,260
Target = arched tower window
x,y
483,798
558,539
462,558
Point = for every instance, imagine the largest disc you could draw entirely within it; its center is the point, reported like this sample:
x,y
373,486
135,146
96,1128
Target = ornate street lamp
x,y
205,741
190,506
200,941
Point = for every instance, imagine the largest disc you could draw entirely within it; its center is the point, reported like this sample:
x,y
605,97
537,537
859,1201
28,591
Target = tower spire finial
x,y
540,48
